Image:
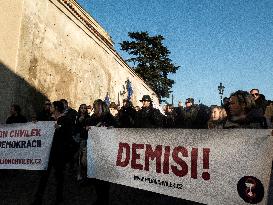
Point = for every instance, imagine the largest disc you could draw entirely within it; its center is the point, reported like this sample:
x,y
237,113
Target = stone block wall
x,y
62,52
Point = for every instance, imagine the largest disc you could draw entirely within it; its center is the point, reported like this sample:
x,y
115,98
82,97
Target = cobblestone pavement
x,y
17,187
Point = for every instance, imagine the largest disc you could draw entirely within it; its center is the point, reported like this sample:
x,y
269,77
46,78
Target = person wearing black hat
x,y
113,108
189,102
148,116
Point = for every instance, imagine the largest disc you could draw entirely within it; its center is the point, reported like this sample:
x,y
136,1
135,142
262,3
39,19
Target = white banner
x,y
26,145
229,167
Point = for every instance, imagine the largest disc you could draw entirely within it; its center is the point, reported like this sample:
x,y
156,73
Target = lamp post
x,y
221,92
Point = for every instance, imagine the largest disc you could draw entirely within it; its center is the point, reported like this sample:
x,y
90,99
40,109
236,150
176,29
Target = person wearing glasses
x,y
260,100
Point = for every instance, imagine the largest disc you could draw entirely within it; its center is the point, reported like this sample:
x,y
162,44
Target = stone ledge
x,y
87,20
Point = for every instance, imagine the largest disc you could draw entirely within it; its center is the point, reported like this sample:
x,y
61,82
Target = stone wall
x,y
10,23
62,53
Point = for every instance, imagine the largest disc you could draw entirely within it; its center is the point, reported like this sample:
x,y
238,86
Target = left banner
x,y
26,145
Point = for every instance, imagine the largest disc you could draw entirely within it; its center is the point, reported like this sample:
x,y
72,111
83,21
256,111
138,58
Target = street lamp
x,y
221,92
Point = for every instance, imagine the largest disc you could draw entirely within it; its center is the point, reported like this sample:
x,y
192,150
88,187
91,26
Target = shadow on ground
x,y
17,187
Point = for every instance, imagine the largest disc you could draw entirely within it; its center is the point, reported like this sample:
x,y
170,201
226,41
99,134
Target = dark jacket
x,y
256,116
261,102
178,110
72,114
194,117
126,117
170,120
253,120
16,119
63,145
44,115
80,126
219,124
148,117
106,120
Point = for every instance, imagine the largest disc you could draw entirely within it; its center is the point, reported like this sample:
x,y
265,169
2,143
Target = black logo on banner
x,y
250,189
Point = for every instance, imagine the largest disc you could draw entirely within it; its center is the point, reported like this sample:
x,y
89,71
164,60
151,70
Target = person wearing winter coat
x,y
148,116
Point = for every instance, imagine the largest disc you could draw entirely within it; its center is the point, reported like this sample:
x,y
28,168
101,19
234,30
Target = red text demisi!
x,y
130,154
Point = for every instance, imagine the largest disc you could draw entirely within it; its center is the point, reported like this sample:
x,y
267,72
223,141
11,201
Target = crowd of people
x,y
241,110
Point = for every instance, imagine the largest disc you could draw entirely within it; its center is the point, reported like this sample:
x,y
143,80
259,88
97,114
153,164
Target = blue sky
x,y
212,40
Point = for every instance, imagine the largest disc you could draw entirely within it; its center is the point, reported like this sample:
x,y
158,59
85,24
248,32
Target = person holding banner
x,y
101,118
148,116
60,154
218,118
81,137
170,117
68,111
193,116
269,114
127,114
45,114
15,115
244,113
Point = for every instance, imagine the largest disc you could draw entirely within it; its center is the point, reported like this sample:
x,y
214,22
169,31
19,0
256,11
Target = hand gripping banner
x,y
227,167
26,145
